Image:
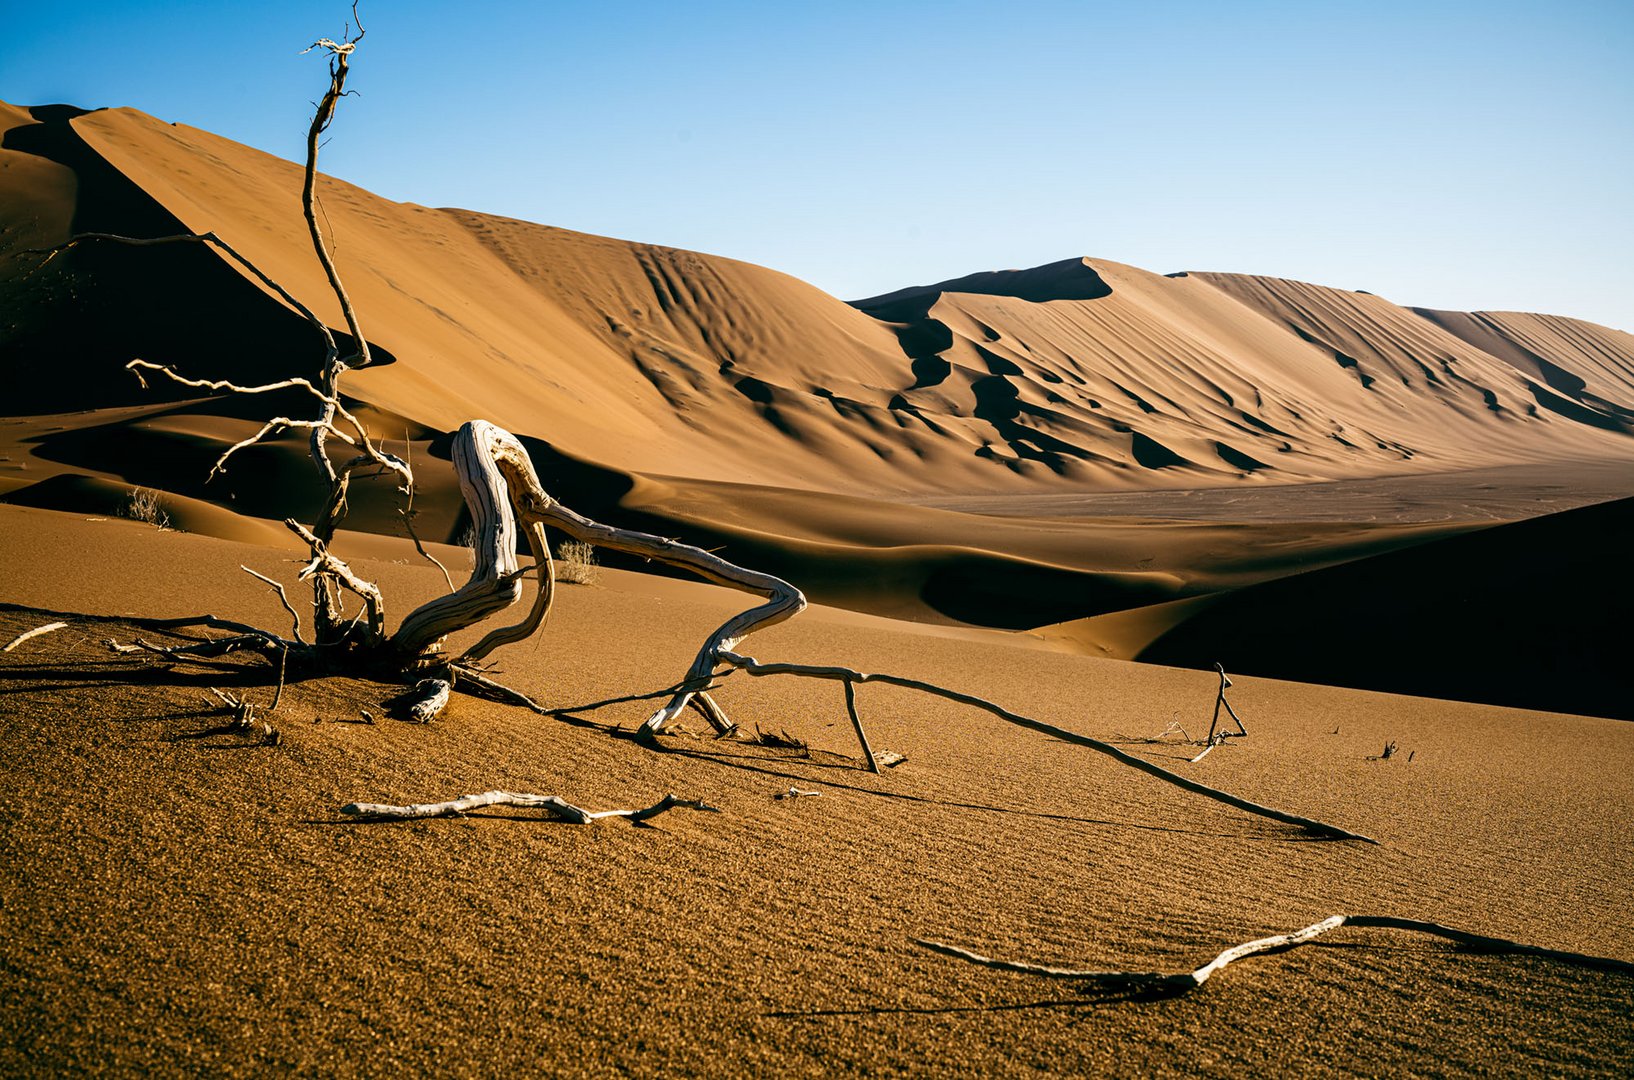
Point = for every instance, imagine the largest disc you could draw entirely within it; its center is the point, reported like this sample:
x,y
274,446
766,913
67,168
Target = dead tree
x,y
505,498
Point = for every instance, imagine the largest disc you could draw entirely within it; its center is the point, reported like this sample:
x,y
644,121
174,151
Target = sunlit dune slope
x,y
653,360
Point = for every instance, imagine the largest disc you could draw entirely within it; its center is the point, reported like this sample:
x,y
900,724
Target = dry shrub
x,y
144,505
575,562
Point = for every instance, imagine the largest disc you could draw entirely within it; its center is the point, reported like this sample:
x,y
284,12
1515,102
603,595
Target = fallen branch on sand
x,y
1157,982
554,805
846,675
1215,739
38,631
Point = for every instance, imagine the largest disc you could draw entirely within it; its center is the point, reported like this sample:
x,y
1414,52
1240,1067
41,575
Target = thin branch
x,y
38,631
283,665
283,598
856,722
812,671
1182,981
553,804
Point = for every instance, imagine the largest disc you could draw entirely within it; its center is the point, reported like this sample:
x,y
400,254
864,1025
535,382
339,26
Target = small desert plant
x,y
144,506
575,562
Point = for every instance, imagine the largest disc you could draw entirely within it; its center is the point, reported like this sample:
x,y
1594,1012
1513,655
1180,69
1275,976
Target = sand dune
x,y
643,359
845,446
1524,614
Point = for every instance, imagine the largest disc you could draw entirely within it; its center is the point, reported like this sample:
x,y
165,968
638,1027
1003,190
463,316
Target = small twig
x,y
278,695
856,722
465,678
796,793
36,632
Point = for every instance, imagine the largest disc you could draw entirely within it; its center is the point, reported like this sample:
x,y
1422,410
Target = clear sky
x,y
1464,155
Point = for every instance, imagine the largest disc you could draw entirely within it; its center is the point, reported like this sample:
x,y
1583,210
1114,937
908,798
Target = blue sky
x,y
1462,155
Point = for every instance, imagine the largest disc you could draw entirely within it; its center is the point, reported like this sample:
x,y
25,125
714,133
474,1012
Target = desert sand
x,y
1069,490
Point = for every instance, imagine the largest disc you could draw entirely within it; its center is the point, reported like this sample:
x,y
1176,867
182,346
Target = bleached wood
x,y
815,671
503,490
283,598
1183,981
553,804
433,698
856,723
29,635
324,562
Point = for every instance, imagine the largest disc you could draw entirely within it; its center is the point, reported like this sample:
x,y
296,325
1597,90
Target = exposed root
x,y
552,804
431,697
1183,981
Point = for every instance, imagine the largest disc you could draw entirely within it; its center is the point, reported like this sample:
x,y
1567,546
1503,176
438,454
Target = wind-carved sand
x,y
946,453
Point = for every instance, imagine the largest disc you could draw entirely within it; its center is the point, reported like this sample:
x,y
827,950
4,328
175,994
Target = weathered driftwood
x,y
1182,981
555,805
498,481
29,635
430,700
814,671
1215,739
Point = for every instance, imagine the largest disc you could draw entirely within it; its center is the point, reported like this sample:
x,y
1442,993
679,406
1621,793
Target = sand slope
x,y
1528,614
652,360
178,900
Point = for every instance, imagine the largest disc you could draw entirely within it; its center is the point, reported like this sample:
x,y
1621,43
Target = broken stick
x,y
555,805
1182,981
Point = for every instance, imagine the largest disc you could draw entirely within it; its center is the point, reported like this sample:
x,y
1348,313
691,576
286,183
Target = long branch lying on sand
x,y
555,805
1182,981
849,677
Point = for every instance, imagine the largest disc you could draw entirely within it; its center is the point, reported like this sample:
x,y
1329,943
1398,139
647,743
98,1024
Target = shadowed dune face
x,y
1527,614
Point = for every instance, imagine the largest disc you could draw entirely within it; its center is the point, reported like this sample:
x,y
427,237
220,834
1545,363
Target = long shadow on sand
x,y
729,762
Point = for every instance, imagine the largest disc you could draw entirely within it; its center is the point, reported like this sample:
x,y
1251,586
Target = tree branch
x,y
553,804
813,671
1183,981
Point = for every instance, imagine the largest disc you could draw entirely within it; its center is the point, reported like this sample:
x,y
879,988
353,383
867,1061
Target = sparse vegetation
x,y
576,562
145,505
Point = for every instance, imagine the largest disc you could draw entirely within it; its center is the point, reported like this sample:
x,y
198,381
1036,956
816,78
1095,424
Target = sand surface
x,y
179,900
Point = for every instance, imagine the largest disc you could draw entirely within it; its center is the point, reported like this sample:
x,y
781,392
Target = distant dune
x,y
746,410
